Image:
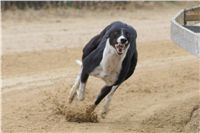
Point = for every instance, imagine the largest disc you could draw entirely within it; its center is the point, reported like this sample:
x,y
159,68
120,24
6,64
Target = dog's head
x,y
120,40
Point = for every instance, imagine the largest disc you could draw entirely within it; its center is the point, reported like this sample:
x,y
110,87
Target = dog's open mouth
x,y
120,49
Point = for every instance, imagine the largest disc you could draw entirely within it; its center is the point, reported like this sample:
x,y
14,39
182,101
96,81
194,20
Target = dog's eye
x,y
127,35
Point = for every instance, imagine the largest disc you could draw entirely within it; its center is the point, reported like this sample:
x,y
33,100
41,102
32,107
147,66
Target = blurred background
x,y
6,5
46,22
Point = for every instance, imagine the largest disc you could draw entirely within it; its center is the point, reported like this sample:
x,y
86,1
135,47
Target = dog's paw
x,y
80,96
71,98
103,114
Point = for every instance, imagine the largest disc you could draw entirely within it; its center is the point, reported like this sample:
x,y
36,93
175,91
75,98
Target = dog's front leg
x,y
104,91
107,102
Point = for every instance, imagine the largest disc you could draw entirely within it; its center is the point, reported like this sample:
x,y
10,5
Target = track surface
x,y
38,65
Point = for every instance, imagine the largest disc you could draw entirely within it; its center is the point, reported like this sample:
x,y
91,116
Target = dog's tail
x,y
79,62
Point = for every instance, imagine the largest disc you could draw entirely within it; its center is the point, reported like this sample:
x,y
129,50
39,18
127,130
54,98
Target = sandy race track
x,y
38,69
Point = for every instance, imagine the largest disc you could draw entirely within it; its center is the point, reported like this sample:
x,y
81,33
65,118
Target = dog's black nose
x,y
123,40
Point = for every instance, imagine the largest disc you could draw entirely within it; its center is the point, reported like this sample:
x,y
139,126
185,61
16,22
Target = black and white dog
x,y
111,56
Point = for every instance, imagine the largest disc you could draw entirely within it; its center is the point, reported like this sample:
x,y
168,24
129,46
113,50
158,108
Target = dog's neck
x,y
110,65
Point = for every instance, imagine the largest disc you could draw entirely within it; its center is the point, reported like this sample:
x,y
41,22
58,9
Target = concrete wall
x,y
184,37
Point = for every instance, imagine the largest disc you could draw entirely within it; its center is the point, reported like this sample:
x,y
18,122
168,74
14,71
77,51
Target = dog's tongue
x,y
119,51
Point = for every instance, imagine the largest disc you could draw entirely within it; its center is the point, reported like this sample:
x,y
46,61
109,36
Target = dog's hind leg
x,y
74,88
81,90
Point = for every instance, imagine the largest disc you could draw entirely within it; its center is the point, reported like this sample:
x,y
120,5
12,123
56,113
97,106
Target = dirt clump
x,y
71,113
74,116
193,126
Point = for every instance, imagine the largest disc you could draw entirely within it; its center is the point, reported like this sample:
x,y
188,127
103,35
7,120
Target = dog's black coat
x,y
93,53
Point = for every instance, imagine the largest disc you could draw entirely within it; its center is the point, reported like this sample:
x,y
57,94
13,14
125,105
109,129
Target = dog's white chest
x,y
110,65
108,70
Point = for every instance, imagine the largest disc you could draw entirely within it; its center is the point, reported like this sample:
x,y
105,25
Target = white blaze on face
x,y
120,38
120,48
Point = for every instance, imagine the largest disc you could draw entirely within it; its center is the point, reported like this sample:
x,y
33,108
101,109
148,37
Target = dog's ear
x,y
90,46
106,31
94,42
133,34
